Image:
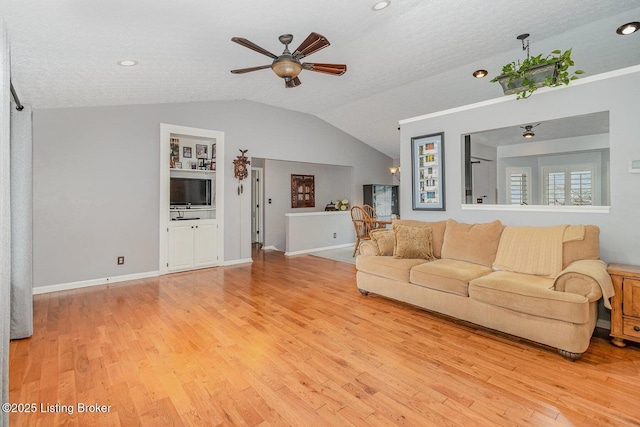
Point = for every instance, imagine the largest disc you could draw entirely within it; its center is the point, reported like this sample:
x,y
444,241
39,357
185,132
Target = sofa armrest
x,y
577,283
368,247
588,278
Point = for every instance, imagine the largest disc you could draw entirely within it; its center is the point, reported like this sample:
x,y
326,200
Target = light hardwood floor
x,y
290,341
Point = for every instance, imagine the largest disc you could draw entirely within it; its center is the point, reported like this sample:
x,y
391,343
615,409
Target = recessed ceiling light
x,y
628,28
478,74
128,62
380,5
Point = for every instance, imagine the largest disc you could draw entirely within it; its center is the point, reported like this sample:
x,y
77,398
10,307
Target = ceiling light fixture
x,y
478,74
128,62
628,28
528,133
380,5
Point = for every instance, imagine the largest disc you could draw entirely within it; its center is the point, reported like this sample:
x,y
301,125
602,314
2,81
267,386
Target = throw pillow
x,y
476,243
385,240
412,242
437,232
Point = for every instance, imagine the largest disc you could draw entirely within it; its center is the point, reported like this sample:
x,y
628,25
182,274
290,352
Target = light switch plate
x,y
634,166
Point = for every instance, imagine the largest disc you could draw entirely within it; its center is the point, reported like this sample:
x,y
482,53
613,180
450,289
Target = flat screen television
x,y
190,191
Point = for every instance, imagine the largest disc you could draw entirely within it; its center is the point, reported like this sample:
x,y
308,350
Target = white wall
x,y
96,178
331,182
620,231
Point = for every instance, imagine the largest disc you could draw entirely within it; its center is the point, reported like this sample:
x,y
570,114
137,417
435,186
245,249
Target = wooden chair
x,y
374,217
363,225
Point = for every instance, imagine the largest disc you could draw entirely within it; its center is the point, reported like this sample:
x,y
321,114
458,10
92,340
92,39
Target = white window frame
x,y
518,171
567,170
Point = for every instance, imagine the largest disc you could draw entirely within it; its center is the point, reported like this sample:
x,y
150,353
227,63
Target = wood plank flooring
x,y
291,342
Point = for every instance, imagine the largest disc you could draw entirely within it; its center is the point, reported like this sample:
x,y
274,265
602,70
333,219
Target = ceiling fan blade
x,y
335,69
292,82
246,43
248,70
313,43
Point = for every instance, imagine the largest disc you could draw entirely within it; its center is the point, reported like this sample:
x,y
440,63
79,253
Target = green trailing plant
x,y
517,70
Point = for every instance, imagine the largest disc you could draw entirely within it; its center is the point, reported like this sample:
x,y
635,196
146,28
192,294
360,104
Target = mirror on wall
x,y
561,162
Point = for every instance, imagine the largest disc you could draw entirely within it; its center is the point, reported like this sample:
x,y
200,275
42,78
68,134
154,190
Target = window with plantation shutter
x,y
571,185
518,186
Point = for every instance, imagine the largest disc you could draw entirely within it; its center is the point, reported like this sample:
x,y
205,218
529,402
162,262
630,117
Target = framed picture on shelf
x,y
201,163
186,152
427,175
178,165
175,148
213,151
193,165
201,151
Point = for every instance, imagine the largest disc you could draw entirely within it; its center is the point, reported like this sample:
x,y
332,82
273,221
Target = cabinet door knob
x,y
636,328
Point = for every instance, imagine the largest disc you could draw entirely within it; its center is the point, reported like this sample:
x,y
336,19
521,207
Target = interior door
x,y
484,181
256,205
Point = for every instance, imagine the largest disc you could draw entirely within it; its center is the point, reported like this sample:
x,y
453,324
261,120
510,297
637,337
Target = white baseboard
x,y
603,324
269,248
326,248
238,261
93,282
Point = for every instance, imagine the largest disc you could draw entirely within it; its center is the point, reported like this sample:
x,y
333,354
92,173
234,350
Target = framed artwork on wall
x,y
186,152
303,191
427,162
201,151
175,149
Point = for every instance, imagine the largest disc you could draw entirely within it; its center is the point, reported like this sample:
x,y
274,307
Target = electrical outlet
x,y
335,235
120,260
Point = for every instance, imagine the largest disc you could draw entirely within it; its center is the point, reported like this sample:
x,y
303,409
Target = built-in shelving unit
x,y
191,236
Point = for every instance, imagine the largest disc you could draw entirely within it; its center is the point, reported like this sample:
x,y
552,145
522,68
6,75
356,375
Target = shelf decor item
x,y
342,205
427,160
523,78
186,152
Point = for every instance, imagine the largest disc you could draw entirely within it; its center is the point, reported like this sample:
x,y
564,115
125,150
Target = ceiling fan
x,y
288,65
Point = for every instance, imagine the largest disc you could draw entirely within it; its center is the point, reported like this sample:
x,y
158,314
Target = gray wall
x,y
620,231
96,178
331,182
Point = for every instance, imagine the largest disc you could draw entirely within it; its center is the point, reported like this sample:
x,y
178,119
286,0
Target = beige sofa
x,y
539,283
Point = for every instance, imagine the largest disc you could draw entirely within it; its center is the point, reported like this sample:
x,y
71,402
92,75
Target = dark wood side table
x,y
625,305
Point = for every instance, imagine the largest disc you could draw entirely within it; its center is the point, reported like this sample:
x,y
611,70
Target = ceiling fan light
x,y
478,74
528,134
628,28
286,68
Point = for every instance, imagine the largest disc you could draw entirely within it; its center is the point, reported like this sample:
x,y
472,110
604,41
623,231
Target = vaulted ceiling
x,y
412,58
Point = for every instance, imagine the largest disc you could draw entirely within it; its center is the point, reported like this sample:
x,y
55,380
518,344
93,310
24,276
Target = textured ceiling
x,y
413,58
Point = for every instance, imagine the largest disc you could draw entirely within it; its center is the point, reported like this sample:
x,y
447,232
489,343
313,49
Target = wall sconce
x,y
395,172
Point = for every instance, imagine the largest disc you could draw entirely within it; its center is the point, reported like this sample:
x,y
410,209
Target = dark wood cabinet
x,y
383,198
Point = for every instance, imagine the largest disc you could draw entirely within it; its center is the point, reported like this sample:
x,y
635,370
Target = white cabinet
x,y
192,244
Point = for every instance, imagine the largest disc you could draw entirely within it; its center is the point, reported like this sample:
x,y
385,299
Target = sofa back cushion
x,y
476,243
437,232
587,248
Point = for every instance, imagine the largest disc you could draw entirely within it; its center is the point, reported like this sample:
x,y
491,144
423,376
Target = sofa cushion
x,y
412,242
529,294
385,240
447,275
586,248
437,232
476,243
387,266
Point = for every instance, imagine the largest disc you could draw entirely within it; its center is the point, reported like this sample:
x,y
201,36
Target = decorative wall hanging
x,y
427,159
303,191
174,156
240,169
